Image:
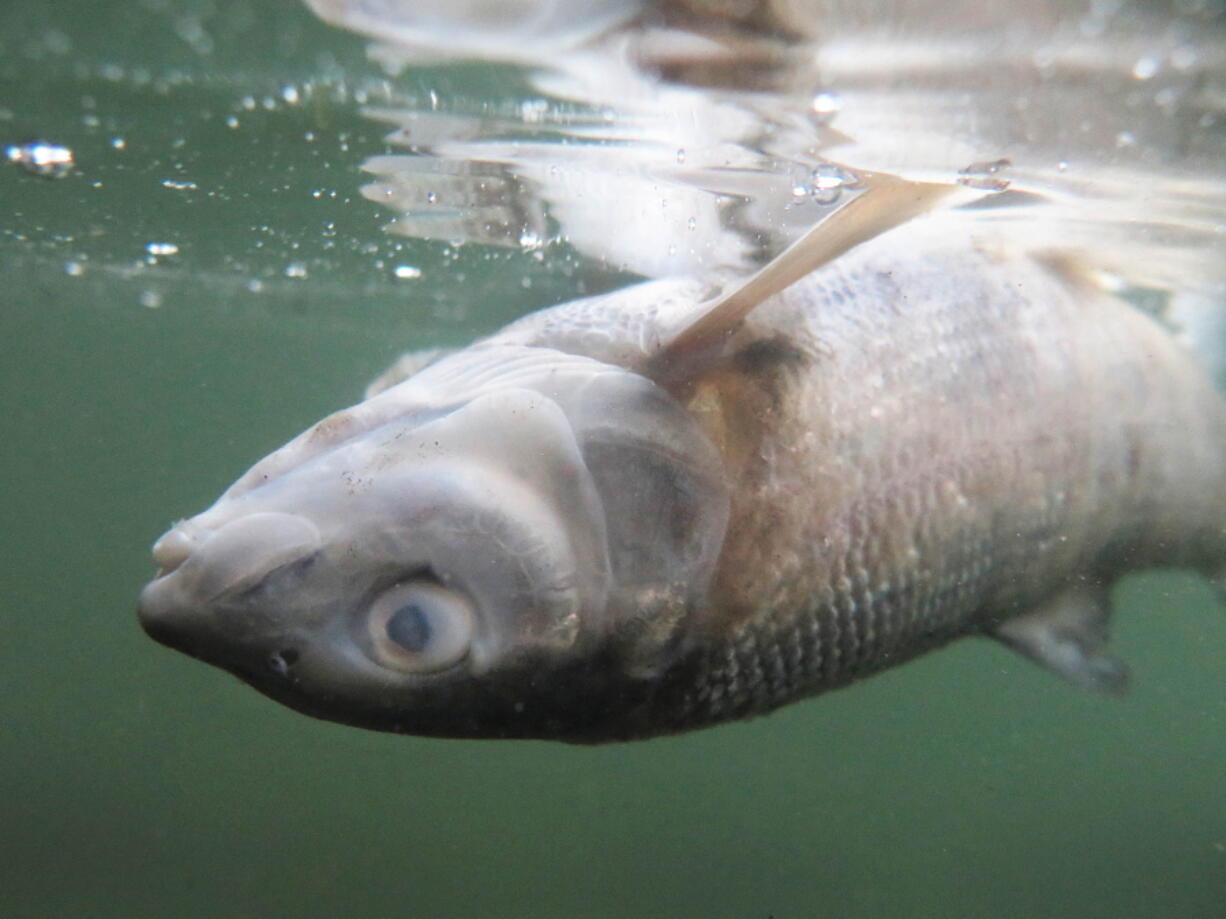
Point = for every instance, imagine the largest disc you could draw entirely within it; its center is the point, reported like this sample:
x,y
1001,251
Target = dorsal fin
x,y
886,202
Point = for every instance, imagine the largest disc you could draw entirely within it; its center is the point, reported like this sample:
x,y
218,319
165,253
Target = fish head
x,y
445,567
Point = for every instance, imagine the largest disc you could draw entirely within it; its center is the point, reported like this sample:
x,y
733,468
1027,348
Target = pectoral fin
x,y
1068,635
886,202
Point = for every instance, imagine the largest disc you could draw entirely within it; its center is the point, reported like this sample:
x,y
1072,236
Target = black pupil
x,y
409,627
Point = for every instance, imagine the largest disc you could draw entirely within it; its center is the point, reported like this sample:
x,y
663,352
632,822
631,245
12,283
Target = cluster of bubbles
x,y
42,158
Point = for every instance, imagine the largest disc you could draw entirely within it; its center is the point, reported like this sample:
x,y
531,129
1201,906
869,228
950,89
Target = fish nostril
x,y
244,551
281,661
173,549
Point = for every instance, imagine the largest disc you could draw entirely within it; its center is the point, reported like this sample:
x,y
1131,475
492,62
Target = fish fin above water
x,y
887,202
1198,318
404,367
1068,635
1195,313
673,331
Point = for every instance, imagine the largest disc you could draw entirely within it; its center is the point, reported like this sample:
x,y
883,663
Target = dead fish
x,y
650,511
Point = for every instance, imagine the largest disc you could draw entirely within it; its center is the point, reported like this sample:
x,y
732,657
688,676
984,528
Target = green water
x,y
136,782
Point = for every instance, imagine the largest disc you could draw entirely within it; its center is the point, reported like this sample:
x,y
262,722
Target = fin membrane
x,y
886,202
1068,635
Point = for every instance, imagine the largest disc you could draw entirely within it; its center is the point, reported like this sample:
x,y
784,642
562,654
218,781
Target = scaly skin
x,y
922,446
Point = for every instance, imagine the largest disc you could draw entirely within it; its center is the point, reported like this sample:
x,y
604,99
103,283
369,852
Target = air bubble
x,y
823,185
1146,68
1166,98
826,105
57,42
295,270
406,272
533,111
829,181
1184,58
156,249
984,175
42,158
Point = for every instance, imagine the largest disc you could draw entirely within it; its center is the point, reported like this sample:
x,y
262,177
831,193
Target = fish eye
x,y
420,627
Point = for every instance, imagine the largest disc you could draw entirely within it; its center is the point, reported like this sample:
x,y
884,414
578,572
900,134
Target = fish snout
x,y
202,571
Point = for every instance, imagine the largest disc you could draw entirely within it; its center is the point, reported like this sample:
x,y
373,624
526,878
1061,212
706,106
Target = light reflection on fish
x,y
647,512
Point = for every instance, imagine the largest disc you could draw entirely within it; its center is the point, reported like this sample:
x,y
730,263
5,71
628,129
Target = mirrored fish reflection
x,y
810,449
709,131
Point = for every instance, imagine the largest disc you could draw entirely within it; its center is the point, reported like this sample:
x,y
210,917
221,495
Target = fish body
x,y
925,442
544,535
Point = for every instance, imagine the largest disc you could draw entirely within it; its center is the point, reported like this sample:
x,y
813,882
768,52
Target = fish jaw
x,y
201,568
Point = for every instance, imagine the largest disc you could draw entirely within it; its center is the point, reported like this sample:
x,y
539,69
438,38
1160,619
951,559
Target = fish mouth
x,y
171,623
172,633
201,571
189,631
164,632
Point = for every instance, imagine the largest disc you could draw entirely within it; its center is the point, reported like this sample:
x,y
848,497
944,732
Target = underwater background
x,y
205,283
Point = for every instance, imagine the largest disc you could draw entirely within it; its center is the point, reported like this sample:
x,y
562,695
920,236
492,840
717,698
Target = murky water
x,y
208,278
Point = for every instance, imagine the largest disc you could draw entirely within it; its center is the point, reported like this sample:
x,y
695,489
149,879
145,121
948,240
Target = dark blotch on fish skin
x,y
770,355
773,364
